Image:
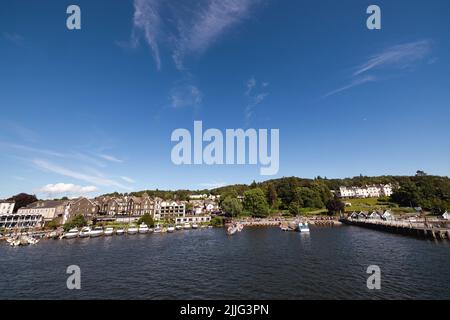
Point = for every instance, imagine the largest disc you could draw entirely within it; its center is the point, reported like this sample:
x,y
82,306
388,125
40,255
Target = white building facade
x,y
7,207
372,191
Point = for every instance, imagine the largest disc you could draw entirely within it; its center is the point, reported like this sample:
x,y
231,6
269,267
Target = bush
x,y
217,222
54,224
147,219
76,222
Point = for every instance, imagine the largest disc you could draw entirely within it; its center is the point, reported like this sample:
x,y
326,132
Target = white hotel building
x,y
7,207
372,191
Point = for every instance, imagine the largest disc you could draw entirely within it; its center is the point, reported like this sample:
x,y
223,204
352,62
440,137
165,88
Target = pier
x,y
416,229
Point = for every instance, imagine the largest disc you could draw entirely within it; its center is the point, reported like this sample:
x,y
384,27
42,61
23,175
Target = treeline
x,y
431,193
293,195
289,195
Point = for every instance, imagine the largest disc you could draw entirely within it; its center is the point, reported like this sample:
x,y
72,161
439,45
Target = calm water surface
x,y
259,263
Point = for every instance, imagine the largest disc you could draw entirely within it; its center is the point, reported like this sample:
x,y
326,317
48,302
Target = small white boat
x,y
132,229
32,240
178,227
85,232
120,231
158,229
170,228
96,232
143,228
187,226
14,242
195,226
231,230
303,227
72,233
109,231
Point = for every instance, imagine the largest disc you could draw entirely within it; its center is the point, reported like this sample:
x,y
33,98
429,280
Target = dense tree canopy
x,y
22,200
255,202
232,206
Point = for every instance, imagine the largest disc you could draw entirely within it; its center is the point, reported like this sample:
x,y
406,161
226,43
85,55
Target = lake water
x,y
258,263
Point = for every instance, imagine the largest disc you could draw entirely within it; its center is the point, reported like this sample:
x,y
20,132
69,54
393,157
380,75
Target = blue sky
x,y
92,110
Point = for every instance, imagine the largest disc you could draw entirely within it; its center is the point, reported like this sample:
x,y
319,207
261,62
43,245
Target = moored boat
x,y
178,227
132,229
231,230
157,229
143,228
109,231
72,233
303,227
195,226
187,226
96,232
85,232
170,228
120,231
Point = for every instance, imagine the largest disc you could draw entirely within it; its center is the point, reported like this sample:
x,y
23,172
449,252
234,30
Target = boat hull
x,y
70,235
96,234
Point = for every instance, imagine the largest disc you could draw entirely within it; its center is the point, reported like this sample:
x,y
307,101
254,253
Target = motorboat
x,y
157,229
195,226
132,229
232,230
109,231
170,228
72,233
187,226
303,227
143,228
85,232
178,227
14,241
96,232
32,240
120,231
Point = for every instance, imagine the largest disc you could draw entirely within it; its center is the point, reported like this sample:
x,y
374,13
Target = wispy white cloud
x,y
212,185
93,179
354,83
251,83
208,24
25,148
147,20
185,95
14,38
190,28
128,179
110,158
254,96
398,56
66,188
401,56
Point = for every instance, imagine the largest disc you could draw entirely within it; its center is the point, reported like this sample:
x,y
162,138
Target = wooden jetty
x,y
421,229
